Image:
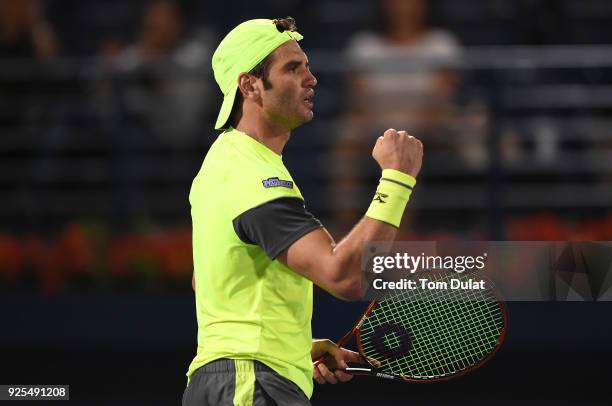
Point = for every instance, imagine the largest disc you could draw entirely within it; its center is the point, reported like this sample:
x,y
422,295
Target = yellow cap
x,y
240,51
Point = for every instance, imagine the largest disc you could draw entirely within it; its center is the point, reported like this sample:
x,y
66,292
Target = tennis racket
x,y
426,335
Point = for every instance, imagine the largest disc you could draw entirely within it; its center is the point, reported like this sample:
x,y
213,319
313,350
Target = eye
x,y
293,67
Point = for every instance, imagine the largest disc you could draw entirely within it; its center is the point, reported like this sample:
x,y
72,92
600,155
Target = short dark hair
x,y
285,24
261,70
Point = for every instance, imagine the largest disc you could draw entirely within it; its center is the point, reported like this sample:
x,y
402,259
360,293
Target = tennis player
x,y
257,250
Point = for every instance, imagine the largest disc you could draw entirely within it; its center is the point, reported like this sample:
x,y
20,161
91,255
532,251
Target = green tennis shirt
x,y
248,304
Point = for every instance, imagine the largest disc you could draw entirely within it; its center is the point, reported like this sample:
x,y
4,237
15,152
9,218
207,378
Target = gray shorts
x,y
227,382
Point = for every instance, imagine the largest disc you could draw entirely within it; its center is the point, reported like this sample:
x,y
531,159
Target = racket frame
x,y
374,371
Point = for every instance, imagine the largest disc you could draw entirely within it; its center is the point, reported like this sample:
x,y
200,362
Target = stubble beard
x,y
294,117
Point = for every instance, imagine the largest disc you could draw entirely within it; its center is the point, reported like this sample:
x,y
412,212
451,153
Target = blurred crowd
x,y
167,66
106,111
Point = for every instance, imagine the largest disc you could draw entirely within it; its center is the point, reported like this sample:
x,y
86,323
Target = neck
x,y
264,131
404,33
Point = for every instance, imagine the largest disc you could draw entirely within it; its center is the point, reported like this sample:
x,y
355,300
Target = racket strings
x,y
432,340
447,330
434,337
435,352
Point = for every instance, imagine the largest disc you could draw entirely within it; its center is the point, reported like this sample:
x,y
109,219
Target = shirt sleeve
x,y
275,225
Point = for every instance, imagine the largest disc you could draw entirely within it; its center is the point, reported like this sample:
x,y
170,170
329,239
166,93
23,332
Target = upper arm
x,y
275,225
286,231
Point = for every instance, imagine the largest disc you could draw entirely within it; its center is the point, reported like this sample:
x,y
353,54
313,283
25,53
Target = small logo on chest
x,y
276,182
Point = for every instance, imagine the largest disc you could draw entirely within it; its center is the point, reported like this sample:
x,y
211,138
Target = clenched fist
x,y
400,151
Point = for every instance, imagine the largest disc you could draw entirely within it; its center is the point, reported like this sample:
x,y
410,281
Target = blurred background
x,y
107,110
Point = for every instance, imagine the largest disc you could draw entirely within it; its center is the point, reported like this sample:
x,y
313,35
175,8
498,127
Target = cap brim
x,y
226,108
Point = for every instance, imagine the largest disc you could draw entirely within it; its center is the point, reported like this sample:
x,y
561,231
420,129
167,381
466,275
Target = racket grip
x,y
358,371
370,372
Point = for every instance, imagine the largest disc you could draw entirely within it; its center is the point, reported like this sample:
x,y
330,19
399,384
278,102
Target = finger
x,y
327,374
351,356
376,363
317,375
390,132
338,358
343,376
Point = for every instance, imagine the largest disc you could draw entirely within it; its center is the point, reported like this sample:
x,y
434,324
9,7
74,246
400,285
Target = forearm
x,y
348,252
380,223
337,267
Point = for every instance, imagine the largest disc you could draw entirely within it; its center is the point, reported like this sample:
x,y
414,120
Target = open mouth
x,y
308,101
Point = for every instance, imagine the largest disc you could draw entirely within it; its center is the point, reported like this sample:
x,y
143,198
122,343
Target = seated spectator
x,y
168,75
405,73
24,32
26,41
402,77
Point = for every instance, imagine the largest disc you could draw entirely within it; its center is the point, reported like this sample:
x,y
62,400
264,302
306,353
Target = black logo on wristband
x,y
380,197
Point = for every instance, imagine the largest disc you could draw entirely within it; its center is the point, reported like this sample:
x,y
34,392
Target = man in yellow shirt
x,y
257,250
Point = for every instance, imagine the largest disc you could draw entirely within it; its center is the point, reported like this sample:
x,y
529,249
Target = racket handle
x,y
369,372
358,371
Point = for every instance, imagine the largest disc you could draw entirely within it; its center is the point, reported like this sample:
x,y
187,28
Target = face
x,y
161,27
405,11
289,101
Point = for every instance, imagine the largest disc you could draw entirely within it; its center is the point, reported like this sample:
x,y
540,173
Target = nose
x,y
311,80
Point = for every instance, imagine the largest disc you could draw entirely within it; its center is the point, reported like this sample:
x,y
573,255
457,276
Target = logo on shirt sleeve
x,y
276,182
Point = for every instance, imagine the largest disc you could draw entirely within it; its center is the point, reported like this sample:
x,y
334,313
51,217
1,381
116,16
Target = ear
x,y
248,86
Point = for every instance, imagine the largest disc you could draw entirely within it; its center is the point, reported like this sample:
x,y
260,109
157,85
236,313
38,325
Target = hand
x,y
400,151
335,358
